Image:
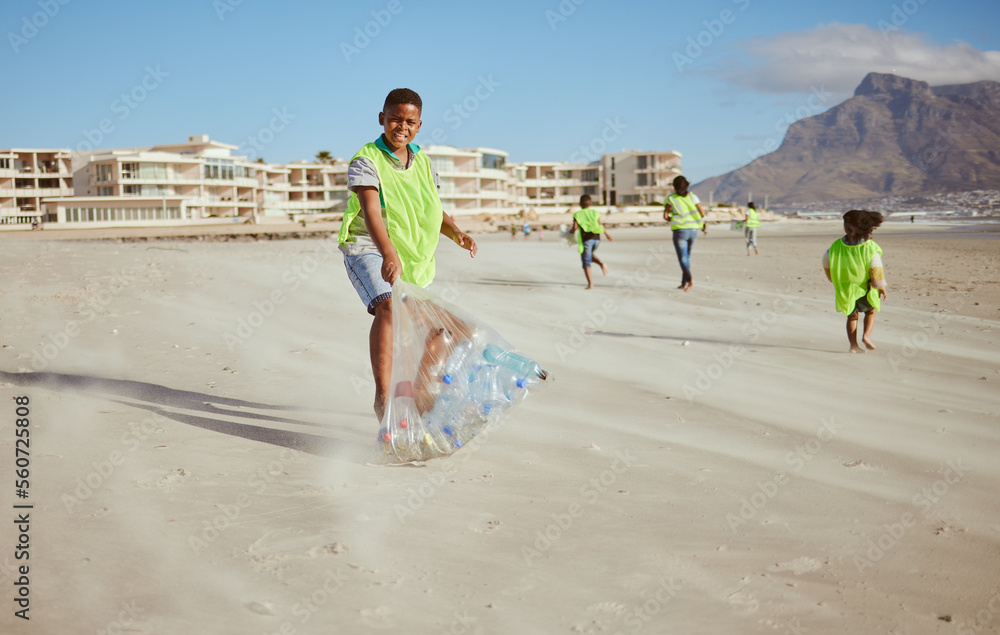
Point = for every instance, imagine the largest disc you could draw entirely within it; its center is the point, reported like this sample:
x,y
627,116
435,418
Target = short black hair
x,y
403,96
681,185
585,199
751,205
860,223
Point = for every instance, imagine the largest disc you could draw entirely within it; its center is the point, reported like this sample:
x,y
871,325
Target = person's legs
x,y
869,327
586,258
380,349
683,244
364,270
852,333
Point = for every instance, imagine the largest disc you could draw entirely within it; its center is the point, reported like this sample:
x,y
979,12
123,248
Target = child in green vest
x,y
392,224
751,223
588,228
854,265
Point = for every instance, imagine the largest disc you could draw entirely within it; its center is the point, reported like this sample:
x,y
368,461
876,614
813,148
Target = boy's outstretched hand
x,y
881,294
465,241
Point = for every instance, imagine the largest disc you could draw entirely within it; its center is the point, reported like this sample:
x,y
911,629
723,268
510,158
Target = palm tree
x,y
324,157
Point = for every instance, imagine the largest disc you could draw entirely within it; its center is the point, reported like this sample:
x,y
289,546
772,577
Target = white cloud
x,y
838,56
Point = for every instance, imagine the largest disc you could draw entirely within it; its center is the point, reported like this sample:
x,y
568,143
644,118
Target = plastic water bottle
x,y
456,363
521,366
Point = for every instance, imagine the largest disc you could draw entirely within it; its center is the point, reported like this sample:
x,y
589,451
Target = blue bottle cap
x,y
521,383
447,379
448,431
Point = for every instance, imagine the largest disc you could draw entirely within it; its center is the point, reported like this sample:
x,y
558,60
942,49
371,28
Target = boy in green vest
x,y
392,224
588,228
854,265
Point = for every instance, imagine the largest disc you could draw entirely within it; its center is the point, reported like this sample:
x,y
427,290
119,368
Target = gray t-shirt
x,y
362,173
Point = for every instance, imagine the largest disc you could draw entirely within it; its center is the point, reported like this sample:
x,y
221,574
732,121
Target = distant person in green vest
x,y
588,228
392,224
854,265
750,225
683,211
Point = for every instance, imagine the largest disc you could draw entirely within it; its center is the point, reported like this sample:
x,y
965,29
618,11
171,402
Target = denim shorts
x,y
365,272
863,305
588,251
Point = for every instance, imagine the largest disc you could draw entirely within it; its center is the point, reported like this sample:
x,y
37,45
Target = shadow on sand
x,y
157,399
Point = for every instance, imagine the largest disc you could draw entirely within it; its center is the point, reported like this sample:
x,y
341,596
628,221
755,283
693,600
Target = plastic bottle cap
x,y
521,383
448,431
447,379
403,423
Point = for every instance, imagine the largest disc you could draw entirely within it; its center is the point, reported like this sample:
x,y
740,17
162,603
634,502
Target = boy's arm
x,y
451,230
371,209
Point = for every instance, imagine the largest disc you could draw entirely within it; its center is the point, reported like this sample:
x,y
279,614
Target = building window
x,y
222,169
105,172
493,161
131,190
4,164
640,162
107,190
130,170
640,179
612,163
590,176
612,179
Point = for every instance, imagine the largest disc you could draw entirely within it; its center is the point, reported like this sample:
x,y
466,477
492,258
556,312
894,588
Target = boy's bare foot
x,y
604,268
380,402
868,343
687,287
588,288
856,349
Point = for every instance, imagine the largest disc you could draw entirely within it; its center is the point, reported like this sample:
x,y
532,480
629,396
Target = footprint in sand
x,y
797,566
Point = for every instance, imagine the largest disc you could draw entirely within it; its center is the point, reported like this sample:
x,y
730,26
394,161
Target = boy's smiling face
x,y
401,123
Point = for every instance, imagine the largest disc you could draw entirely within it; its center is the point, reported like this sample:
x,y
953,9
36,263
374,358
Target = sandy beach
x,y
200,425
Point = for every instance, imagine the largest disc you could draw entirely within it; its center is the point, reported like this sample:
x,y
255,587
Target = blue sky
x,y
554,80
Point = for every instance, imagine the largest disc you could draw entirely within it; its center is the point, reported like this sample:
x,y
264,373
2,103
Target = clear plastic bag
x,y
452,377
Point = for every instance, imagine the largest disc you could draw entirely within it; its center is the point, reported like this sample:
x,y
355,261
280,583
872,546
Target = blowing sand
x,y
705,462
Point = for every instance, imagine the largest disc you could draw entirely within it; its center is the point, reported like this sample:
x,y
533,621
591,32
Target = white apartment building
x,y
200,180
27,176
472,180
635,177
541,184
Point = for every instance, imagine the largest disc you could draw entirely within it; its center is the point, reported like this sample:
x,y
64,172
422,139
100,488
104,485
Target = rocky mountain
x,y
894,137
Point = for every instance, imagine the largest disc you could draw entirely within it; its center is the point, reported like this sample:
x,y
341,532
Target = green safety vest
x,y
849,267
411,209
752,219
587,220
685,212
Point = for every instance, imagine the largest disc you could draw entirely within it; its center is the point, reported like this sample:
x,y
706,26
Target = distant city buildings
x,y
202,181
